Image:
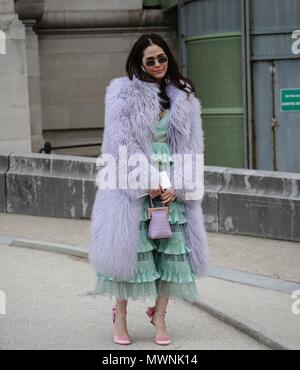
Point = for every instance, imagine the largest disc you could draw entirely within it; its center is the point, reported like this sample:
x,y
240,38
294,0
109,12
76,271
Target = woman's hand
x,y
168,196
153,193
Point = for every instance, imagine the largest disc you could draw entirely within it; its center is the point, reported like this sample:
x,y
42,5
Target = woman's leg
x,y
159,316
120,326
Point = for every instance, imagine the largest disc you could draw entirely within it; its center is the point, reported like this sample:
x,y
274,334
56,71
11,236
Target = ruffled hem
x,y
174,268
153,266
145,291
186,291
146,270
125,290
145,244
174,245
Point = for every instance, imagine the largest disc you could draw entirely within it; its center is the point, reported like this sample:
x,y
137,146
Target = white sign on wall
x,y
2,42
296,43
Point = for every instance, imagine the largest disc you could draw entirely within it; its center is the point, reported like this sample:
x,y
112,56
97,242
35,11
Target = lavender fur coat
x,y
131,111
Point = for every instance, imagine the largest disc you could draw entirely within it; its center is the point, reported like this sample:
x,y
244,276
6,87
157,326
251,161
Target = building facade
x,y
60,56
243,55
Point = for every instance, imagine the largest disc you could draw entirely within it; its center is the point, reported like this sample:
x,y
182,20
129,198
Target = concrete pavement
x,y
47,308
239,308
273,258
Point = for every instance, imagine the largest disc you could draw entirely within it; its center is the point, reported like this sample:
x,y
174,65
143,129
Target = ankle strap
x,y
114,308
160,312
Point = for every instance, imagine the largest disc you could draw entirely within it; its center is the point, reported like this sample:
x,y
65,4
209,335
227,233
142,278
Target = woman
x,y
154,112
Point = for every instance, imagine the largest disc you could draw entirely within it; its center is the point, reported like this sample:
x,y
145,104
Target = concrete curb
x,y
77,251
251,279
246,327
230,318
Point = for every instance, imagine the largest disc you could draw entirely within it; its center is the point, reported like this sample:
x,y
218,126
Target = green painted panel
x,y
162,3
224,140
214,63
168,3
215,66
150,3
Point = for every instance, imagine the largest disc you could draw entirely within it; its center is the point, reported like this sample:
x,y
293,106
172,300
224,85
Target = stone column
x,y
34,86
15,133
29,11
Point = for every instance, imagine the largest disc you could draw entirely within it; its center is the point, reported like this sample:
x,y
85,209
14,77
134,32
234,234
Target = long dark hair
x,y
134,65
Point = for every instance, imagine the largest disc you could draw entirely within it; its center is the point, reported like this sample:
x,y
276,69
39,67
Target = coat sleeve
x,y
119,134
192,169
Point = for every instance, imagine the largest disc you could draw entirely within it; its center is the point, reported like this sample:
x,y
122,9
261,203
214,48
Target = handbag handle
x,y
152,205
151,202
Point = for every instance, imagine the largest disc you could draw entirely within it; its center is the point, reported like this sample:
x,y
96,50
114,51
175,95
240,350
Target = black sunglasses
x,y
151,62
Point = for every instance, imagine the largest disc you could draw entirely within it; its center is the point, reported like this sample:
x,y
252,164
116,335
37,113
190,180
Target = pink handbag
x,y
159,226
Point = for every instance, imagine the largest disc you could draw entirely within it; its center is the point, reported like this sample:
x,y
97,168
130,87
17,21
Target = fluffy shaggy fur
x,y
131,112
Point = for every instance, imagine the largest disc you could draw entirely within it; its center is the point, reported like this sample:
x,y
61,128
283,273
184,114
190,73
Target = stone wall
x,y
236,201
250,202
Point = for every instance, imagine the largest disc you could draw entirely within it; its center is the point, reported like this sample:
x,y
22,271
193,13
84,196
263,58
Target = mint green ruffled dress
x,y
163,266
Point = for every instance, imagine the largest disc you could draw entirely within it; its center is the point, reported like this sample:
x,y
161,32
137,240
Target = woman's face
x,y
155,53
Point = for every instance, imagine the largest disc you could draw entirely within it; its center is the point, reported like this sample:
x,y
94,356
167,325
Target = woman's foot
x,y
160,325
120,324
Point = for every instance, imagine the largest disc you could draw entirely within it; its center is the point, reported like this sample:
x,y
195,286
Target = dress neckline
x,y
166,112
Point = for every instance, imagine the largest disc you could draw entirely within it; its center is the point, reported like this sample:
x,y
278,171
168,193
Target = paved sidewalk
x,y
47,308
235,293
274,258
265,315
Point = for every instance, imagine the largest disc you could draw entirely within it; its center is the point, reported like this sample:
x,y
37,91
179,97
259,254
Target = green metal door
x,y
214,64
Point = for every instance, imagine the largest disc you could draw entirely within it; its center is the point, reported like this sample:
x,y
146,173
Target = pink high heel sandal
x,y
119,339
159,339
